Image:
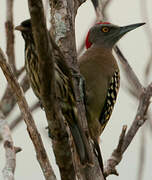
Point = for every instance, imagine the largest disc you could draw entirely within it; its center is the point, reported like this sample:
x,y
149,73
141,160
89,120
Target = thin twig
x,y
31,127
106,4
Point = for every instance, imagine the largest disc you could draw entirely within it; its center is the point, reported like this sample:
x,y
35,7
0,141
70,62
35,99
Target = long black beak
x,y
131,27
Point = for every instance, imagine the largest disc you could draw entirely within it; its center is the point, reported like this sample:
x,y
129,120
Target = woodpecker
x,y
101,73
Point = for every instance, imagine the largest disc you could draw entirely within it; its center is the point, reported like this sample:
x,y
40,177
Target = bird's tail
x,y
79,143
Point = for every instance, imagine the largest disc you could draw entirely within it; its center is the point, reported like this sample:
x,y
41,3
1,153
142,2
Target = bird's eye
x,y
105,29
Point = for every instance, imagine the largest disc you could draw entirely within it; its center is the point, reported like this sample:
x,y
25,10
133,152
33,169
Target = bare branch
x,y
9,27
106,4
31,127
140,116
10,153
8,100
130,74
116,156
137,123
16,121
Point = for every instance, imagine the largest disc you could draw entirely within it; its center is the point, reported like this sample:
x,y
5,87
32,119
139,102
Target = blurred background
x,y
137,48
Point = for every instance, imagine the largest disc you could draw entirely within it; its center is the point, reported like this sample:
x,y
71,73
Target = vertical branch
x,y
58,30
63,28
10,34
63,14
55,121
45,57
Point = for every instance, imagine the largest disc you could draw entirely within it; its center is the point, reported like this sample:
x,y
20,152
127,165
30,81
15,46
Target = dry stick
x,y
116,156
18,119
140,116
104,9
129,72
10,154
31,127
9,27
8,100
137,123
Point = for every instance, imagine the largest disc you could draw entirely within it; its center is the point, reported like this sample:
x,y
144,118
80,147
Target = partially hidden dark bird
x,y
64,88
99,70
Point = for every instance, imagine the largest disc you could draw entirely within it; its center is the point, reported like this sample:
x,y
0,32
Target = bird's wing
x,y
110,99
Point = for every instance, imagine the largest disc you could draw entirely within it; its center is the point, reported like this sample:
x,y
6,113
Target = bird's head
x,y
106,35
26,29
